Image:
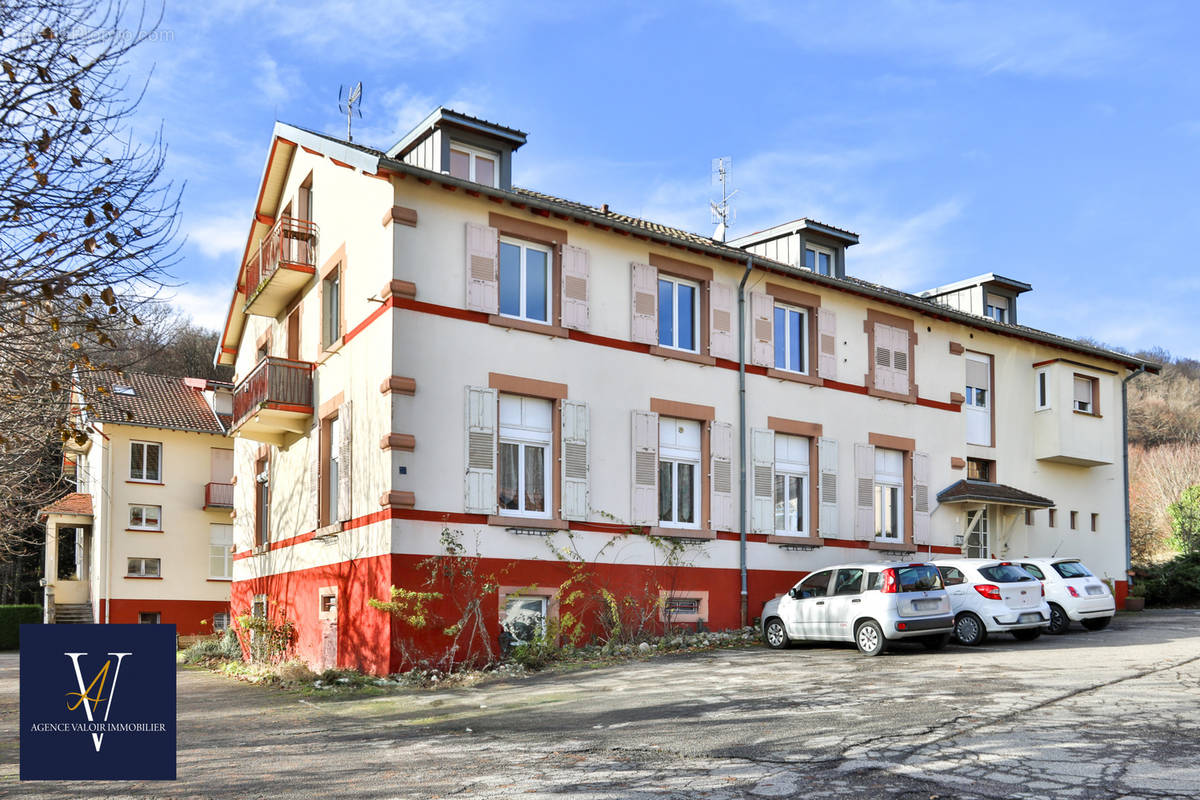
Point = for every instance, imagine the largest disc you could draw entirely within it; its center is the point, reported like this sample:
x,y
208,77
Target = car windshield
x,y
1072,569
1005,573
919,578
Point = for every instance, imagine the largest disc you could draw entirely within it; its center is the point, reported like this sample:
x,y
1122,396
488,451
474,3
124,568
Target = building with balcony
x,y
147,535
467,355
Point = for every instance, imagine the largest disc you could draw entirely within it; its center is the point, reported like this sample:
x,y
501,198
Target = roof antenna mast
x,y
723,216
349,104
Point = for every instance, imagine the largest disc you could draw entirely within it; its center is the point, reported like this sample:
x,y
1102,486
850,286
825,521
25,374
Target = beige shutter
x,y
762,330
827,343
644,505
901,369
645,304
721,476
762,480
977,372
1083,391
576,270
721,343
575,423
883,358
864,491
345,509
827,456
481,450
314,448
922,503
483,280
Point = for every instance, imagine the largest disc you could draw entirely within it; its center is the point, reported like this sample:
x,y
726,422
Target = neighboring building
x,y
147,536
420,345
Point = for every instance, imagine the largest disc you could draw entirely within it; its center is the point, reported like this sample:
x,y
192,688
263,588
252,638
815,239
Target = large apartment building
x,y
421,345
147,535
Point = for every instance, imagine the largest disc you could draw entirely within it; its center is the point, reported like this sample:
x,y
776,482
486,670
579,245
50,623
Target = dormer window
x,y
997,308
818,259
473,164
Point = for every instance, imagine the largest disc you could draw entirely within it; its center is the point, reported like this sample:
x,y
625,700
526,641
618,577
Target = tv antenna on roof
x,y
349,104
722,214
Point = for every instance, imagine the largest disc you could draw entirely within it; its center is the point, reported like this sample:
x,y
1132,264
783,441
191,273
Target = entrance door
x,y
978,403
328,615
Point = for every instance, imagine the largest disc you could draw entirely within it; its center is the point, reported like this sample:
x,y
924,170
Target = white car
x,y
1074,593
989,596
868,604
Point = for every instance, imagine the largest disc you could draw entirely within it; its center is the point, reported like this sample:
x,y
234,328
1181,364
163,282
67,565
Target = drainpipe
x,y
1125,463
105,509
745,600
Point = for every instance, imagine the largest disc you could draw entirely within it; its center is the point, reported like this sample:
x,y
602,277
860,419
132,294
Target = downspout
x,y
1125,463
106,507
745,599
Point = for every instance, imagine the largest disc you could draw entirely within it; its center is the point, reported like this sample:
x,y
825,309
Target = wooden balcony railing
x,y
279,384
291,242
218,495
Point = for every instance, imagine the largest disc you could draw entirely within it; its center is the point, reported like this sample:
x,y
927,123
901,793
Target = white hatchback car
x,y
868,604
989,596
1074,593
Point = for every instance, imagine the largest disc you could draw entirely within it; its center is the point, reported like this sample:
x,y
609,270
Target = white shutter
x,y
762,480
827,455
345,509
483,280
575,423
827,343
645,304
864,491
314,449
901,369
644,505
721,343
721,476
576,270
922,502
762,329
481,450
883,358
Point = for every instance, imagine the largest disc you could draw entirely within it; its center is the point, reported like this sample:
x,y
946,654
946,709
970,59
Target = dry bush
x,y
1157,478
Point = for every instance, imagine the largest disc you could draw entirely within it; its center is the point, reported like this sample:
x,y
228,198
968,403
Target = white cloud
x,y
399,110
218,237
272,82
903,253
207,306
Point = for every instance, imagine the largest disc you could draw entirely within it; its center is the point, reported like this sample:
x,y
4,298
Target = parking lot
x,y
1113,714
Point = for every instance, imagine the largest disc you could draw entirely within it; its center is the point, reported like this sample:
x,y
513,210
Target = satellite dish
x,y
350,103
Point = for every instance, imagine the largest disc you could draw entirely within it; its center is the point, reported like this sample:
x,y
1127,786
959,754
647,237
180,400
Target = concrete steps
x,y
73,613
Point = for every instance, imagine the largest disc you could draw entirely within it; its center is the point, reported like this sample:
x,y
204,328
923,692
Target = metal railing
x,y
279,382
218,495
290,241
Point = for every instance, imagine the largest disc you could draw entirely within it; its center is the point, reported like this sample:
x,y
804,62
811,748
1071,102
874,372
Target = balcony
x,y
274,403
218,495
282,265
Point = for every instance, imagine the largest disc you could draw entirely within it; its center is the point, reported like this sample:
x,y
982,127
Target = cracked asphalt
x,y
1113,714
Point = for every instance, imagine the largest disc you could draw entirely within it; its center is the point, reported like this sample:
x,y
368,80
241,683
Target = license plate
x,y
921,605
1094,590
1029,618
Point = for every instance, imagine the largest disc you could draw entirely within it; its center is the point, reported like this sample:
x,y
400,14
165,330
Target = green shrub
x,y
11,618
225,648
1174,583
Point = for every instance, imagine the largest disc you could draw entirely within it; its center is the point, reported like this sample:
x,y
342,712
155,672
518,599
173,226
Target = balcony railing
x,y
218,495
276,398
290,245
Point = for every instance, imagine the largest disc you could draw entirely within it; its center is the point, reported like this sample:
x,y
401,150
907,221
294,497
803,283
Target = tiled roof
x,y
74,504
967,490
156,401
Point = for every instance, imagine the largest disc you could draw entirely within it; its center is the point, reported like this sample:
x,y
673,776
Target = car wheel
x,y
869,638
969,630
1098,624
1027,634
937,642
1059,621
776,634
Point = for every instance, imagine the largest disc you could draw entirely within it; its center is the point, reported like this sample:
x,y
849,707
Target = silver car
x,y
868,604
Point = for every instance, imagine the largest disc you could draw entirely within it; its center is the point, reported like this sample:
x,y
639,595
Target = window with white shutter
x,y
679,480
889,495
721,341
827,344
922,501
576,272
791,485
344,445
721,476
523,460
575,435
480,457
762,329
864,491
762,480
827,454
890,358
483,284
644,501
644,312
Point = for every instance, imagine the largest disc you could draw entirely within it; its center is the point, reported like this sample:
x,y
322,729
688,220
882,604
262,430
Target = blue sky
x,y
1055,143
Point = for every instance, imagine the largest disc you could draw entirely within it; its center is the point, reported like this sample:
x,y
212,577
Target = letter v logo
x,y
86,698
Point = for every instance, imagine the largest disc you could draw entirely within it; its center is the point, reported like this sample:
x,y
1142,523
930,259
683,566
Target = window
x,y
1095,522
977,543
262,501
145,462
815,585
149,617
1035,571
1053,517
1029,516
675,606
145,518
145,567
678,313
70,553
978,403
220,621
258,607
1074,520
818,259
525,442
791,485
980,469
327,603
891,349
849,581
997,308
473,164
1085,395
525,280
678,472
1042,390
524,619
331,454
220,551
889,490
952,576
791,339
331,308
1071,569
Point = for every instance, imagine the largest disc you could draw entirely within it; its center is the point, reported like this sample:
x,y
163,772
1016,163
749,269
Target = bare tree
x,y
87,224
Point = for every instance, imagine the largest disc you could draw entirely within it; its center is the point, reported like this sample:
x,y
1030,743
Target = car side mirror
x,y
794,593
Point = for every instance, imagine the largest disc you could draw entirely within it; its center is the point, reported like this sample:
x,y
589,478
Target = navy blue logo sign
x,y
97,702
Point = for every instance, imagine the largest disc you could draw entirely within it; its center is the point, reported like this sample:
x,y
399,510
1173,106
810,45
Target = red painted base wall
x,y
186,615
